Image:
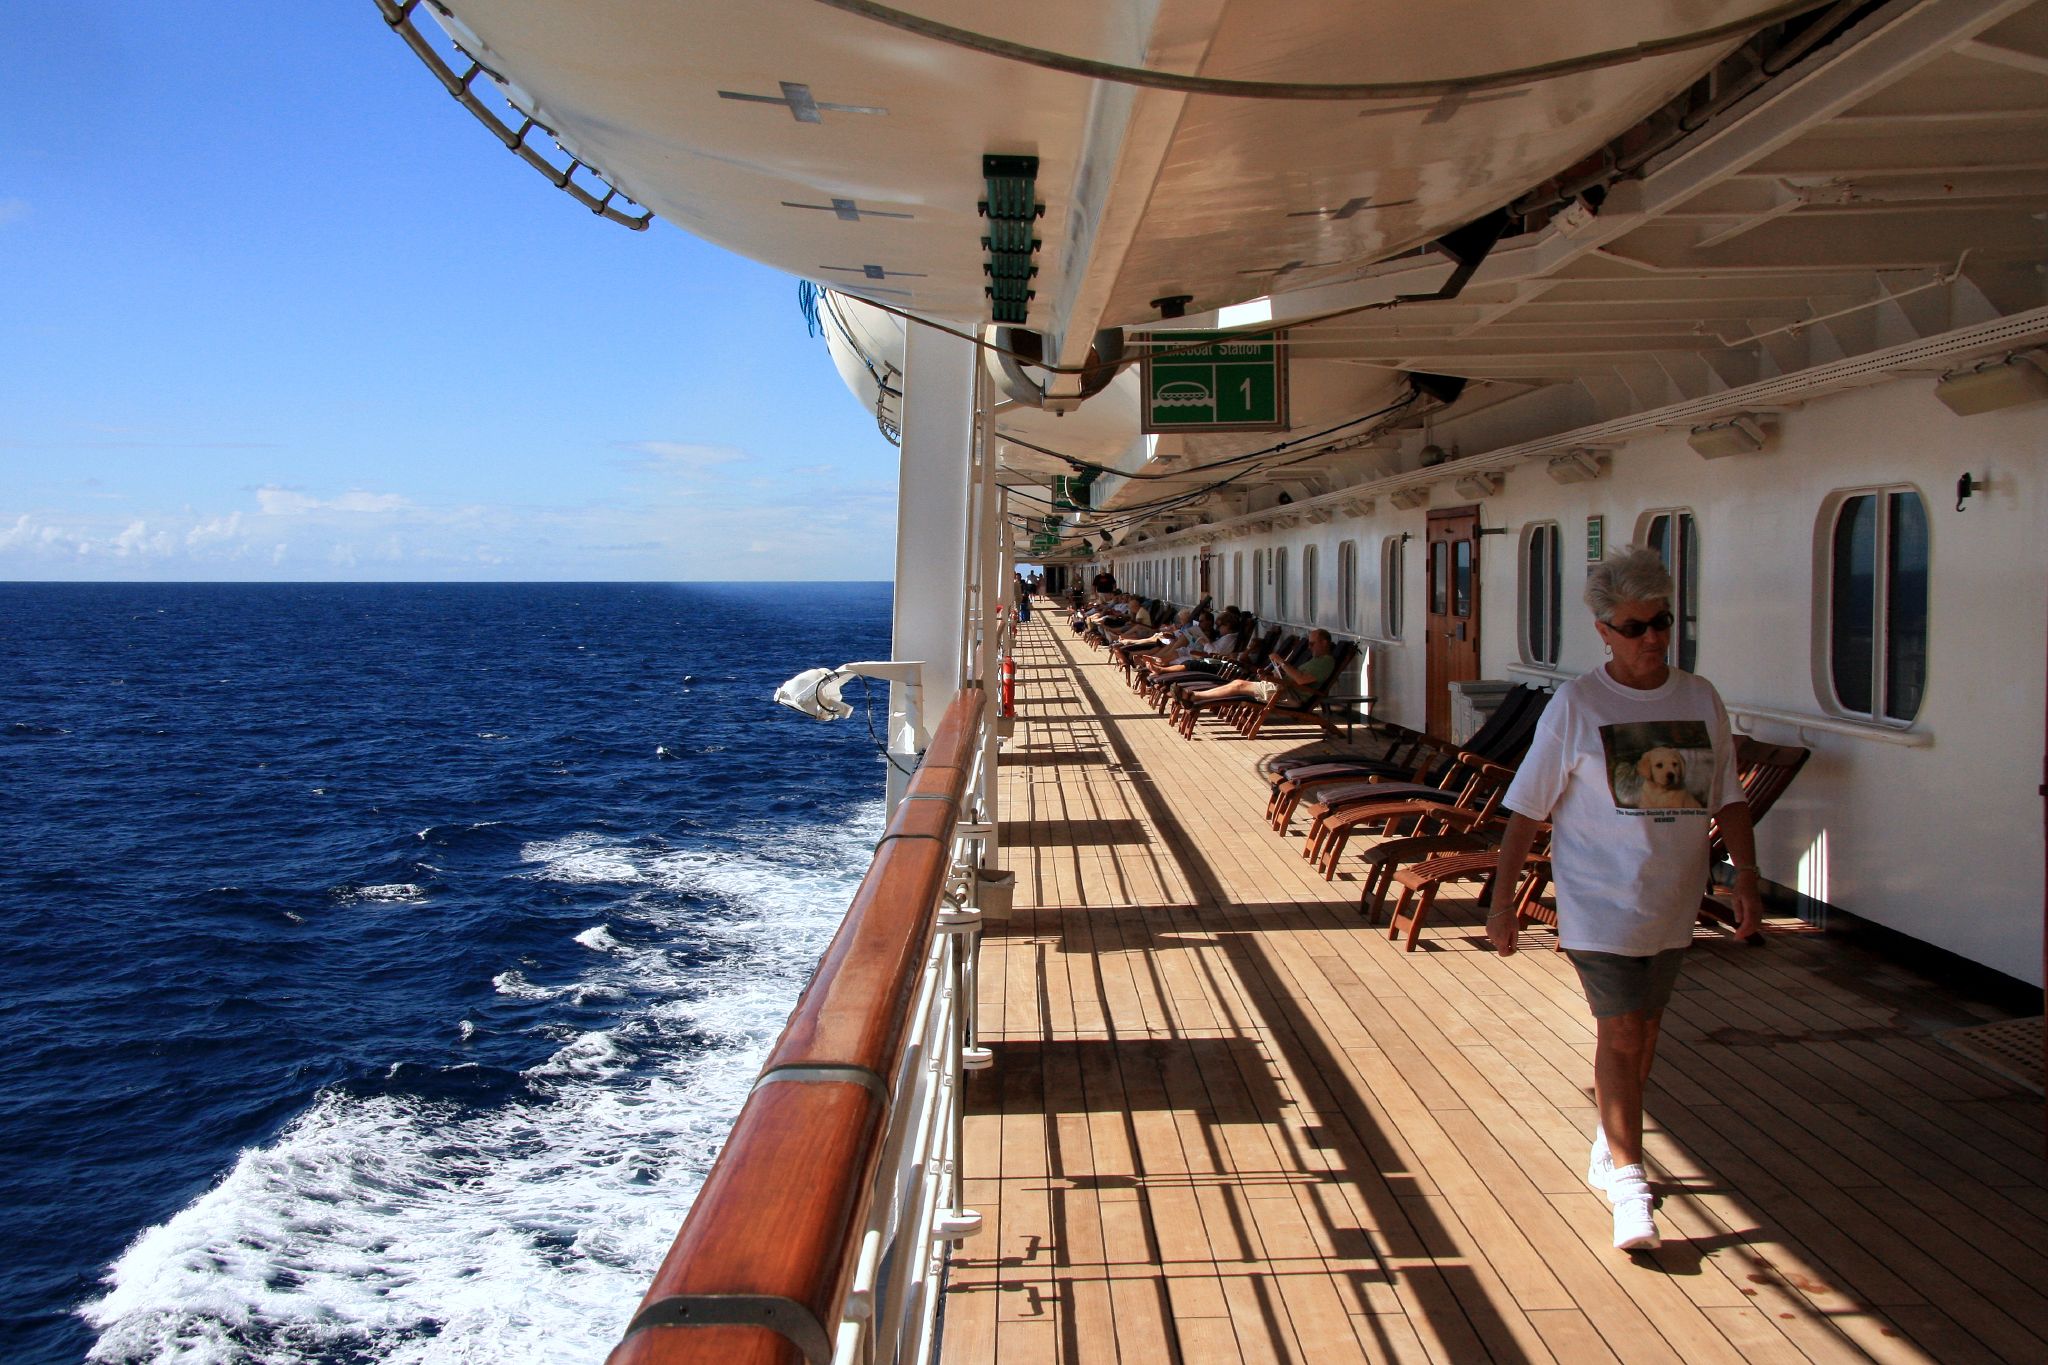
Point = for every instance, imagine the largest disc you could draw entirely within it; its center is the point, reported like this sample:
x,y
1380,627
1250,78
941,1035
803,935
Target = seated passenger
x,y
1181,641
1300,684
1203,658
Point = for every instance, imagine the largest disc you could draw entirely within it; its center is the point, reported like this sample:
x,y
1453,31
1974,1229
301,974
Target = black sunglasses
x,y
1634,630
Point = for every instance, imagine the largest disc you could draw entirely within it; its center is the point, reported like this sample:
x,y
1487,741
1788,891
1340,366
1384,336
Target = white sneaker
x,y
1600,1166
1635,1229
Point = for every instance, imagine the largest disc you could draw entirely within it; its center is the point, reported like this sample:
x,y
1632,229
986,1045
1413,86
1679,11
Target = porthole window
x,y
1542,590
1258,582
1347,585
1236,578
1309,587
1280,584
1877,604
1390,587
1674,535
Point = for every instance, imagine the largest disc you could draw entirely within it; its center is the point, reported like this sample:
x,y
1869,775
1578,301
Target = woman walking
x,y
1631,763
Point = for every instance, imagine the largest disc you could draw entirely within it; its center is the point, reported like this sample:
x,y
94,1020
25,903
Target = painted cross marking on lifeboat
x,y
1350,207
845,210
796,97
875,272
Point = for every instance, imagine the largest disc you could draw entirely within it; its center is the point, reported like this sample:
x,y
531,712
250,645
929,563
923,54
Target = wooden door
x,y
1452,602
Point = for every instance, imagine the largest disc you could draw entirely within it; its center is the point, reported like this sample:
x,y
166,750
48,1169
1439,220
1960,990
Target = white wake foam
x,y
581,858
400,1230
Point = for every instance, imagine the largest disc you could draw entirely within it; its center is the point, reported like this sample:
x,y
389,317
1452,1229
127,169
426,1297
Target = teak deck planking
x,y
1228,1121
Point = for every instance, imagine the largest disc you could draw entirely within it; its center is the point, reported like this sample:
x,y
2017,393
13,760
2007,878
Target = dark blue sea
x,y
385,963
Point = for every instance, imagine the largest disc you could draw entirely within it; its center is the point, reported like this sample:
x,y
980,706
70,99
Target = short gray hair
x,y
1635,575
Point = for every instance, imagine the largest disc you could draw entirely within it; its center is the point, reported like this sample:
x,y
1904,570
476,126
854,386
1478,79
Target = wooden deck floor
x,y
1229,1122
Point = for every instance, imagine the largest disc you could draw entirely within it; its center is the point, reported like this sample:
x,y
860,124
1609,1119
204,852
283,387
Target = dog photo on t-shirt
x,y
1659,765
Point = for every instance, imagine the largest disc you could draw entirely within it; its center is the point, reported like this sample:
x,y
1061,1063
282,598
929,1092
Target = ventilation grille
x,y
2011,1048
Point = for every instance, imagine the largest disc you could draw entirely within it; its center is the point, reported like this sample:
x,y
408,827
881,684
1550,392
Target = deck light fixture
x,y
1408,499
815,692
2019,377
1742,434
1577,466
1480,485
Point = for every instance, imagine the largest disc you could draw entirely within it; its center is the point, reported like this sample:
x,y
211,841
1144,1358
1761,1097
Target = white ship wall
x,y
1940,840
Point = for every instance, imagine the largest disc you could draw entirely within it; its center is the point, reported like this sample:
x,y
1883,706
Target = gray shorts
x,y
1617,985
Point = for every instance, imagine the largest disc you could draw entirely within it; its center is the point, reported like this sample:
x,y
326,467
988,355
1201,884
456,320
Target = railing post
x,y
962,928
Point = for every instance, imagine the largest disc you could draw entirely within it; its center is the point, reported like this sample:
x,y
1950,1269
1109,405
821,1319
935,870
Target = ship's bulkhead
x,y
1926,823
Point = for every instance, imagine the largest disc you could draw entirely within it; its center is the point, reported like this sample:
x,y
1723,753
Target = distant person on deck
x,y
1300,683
1023,599
1631,763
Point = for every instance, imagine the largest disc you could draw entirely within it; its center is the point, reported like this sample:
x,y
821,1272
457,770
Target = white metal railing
x,y
915,1209
1745,717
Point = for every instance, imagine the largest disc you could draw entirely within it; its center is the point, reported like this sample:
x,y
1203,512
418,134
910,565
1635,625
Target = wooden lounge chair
x,y
1420,882
1244,664
1208,670
1765,771
1308,710
1471,824
1503,739
1188,710
1429,763
1469,784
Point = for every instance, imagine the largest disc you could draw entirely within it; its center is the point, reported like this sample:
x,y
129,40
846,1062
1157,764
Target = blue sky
x,y
277,308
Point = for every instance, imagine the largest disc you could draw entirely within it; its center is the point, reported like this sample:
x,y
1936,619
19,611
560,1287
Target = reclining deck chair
x,y
1503,739
1766,770
1308,709
1209,668
1291,650
1183,707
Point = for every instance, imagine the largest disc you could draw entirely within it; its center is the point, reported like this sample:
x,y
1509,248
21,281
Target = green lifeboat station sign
x,y
1215,381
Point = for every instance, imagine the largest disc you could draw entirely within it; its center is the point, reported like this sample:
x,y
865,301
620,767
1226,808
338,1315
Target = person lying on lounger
x,y
1300,684
1200,657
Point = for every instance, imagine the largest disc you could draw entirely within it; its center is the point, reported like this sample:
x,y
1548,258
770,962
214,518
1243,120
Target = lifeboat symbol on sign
x,y
1185,393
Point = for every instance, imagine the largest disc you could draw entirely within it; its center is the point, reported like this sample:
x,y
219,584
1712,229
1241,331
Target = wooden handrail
x,y
758,1271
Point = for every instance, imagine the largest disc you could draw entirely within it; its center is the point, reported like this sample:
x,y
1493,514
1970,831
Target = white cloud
x,y
275,501
214,530
680,454
136,540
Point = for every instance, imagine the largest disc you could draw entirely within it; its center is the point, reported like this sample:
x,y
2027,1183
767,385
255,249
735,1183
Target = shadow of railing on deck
x,y
1414,1255
1720,1109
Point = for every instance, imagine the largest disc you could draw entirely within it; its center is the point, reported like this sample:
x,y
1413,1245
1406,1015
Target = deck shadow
x,y
1069,833
1054,758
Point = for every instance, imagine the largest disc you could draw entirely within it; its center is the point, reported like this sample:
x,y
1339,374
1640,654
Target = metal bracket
x,y
955,1225
785,1317
843,1075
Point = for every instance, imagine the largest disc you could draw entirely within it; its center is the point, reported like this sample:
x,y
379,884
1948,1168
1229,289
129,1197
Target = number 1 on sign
x,y
1246,387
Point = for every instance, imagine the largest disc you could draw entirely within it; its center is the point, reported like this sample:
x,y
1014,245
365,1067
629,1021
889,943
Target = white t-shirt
x,y
1630,780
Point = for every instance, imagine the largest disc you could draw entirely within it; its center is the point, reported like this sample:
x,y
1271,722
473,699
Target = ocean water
x,y
385,963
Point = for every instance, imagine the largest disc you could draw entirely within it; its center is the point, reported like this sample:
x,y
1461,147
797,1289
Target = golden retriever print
x,y
1659,765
